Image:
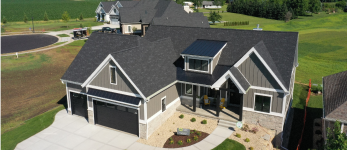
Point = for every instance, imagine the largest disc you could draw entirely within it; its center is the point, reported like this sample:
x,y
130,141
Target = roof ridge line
x,y
124,50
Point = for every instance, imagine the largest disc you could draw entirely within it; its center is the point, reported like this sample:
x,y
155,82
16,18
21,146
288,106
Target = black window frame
x,y
194,64
262,98
114,75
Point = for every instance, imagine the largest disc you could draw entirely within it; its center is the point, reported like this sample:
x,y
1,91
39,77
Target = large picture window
x,y
262,103
113,75
196,64
189,89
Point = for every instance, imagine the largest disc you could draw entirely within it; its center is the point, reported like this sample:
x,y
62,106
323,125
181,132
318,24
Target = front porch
x,y
230,113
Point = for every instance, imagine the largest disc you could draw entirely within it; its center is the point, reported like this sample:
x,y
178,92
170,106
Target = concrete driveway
x,y
74,133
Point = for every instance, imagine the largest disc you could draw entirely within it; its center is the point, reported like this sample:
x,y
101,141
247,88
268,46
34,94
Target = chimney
x,y
258,29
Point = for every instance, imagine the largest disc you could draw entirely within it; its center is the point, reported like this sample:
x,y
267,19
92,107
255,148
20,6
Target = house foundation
x,y
90,117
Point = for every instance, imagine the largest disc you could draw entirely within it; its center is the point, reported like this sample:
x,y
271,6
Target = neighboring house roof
x,y
207,48
108,5
207,2
125,3
162,12
335,96
114,96
153,61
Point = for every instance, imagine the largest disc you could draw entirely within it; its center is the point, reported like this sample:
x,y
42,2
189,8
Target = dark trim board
x,y
116,117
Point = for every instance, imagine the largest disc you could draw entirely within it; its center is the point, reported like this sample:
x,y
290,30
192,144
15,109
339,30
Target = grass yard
x,y
229,144
63,35
10,139
224,8
31,84
53,25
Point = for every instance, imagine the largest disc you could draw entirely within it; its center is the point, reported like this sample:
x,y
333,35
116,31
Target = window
x,y
163,104
262,103
196,64
113,75
189,89
129,29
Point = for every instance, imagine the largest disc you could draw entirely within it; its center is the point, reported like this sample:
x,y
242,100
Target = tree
x,y
341,4
134,29
89,29
81,16
65,17
4,20
45,17
288,16
197,3
214,16
25,19
218,2
335,139
181,2
314,6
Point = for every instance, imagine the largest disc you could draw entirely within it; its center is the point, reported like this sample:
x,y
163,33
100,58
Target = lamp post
x,y
32,20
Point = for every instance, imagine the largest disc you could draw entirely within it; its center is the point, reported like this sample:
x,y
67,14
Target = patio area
x,y
229,113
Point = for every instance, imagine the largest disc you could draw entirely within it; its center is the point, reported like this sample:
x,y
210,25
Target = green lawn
x,y
224,8
63,35
229,144
10,139
52,25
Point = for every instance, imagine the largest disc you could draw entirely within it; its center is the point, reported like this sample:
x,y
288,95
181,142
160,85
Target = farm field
x,y
52,25
31,85
14,10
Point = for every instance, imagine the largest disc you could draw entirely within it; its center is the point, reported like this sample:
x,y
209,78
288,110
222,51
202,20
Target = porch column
x,y
217,104
194,98
241,107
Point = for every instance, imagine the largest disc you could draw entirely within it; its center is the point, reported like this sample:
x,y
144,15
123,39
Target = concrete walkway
x,y
73,132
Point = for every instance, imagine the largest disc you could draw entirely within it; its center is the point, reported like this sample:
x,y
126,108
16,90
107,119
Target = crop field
x,y
14,10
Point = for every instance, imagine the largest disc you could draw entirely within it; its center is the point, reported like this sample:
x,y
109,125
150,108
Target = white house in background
x,y
187,6
188,3
209,4
109,11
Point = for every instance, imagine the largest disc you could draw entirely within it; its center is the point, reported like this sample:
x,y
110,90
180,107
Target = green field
x,y
14,9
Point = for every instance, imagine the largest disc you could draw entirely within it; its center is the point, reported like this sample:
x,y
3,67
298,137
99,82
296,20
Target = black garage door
x,y
117,117
79,104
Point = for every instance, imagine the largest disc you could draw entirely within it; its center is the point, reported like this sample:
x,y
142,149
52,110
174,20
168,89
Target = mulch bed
x,y
176,138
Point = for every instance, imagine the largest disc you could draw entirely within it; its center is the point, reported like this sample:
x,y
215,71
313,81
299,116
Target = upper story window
x,y
113,75
262,103
199,65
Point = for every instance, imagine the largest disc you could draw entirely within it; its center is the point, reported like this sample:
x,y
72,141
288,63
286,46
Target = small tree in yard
x,y
25,19
65,17
214,16
134,29
4,20
314,6
89,29
81,17
288,16
335,139
218,2
45,17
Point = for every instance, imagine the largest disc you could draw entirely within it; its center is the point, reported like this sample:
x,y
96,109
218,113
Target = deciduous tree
x,y
65,17
25,19
214,16
4,20
314,6
335,139
218,2
81,17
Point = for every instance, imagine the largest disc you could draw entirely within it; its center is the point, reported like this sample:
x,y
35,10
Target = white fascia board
x,y
110,12
96,11
267,89
102,65
197,56
220,51
66,81
119,3
253,50
226,76
204,85
114,91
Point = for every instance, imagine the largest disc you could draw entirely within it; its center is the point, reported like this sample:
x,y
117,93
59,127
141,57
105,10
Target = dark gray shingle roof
x,y
114,96
207,48
335,96
240,78
108,5
207,2
280,45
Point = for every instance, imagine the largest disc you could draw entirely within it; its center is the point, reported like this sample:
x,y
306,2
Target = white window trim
x,y
185,89
115,74
127,30
261,94
69,96
161,102
208,65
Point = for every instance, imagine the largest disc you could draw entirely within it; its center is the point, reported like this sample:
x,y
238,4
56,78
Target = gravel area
x,y
256,140
167,129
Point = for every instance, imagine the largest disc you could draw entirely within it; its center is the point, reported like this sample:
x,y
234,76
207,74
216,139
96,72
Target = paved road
x,y
73,132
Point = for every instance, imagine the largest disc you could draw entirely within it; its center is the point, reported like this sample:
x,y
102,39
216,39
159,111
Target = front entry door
x,y
234,99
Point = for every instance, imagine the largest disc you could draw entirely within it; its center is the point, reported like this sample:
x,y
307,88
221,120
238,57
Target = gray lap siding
x,y
277,99
171,93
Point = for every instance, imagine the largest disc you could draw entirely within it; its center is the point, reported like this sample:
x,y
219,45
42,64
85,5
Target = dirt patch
x,y
256,140
177,138
169,127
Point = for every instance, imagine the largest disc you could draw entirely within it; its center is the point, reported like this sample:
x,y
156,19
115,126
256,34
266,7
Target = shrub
x,y
247,140
315,89
204,122
191,132
170,138
45,16
81,17
238,135
25,19
180,142
255,130
4,20
198,133
193,120
288,16
189,141
340,4
181,116
251,148
172,142
196,138
245,128
194,130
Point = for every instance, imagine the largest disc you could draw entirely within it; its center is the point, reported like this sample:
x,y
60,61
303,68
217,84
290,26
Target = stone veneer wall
x,y
267,121
160,119
90,117
143,131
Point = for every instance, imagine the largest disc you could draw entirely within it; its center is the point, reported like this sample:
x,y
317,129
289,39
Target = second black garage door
x,y
117,117
79,104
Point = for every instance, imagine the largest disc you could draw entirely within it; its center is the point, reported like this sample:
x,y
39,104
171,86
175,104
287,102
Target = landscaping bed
x,y
194,138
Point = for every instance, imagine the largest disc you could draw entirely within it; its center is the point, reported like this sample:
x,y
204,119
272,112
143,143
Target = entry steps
x,y
226,124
